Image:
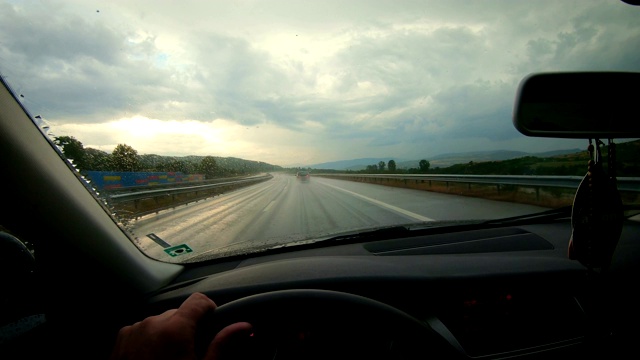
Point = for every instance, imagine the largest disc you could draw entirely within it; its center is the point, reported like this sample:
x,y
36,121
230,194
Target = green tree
x,y
424,165
124,158
177,166
96,160
381,165
392,165
72,150
208,166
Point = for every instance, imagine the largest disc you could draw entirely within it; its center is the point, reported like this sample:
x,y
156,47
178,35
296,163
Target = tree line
x,y
382,167
392,168
626,164
126,158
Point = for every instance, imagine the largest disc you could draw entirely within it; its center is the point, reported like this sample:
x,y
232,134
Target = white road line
x,y
385,205
269,206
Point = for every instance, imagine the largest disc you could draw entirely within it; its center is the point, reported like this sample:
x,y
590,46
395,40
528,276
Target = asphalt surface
x,y
284,210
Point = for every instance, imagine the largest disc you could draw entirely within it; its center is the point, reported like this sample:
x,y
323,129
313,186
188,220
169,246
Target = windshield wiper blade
x,y
549,215
425,228
400,231
553,214
415,229
373,235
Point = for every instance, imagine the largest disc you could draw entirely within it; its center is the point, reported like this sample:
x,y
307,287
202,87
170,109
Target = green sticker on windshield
x,y
178,250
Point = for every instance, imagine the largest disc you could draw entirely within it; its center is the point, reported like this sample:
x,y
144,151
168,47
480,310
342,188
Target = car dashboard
x,y
487,293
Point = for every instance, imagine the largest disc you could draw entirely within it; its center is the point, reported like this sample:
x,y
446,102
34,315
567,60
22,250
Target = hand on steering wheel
x,y
324,324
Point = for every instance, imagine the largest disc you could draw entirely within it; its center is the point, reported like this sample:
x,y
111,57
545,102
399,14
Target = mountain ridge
x,y
441,160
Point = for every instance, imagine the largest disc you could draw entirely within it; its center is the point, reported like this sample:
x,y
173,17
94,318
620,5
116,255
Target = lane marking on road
x,y
269,206
385,205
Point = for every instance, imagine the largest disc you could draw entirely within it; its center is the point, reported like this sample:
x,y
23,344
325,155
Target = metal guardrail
x,y
631,184
146,194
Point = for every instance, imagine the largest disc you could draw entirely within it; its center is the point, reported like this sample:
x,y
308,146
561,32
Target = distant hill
x,y
353,164
445,160
442,160
574,163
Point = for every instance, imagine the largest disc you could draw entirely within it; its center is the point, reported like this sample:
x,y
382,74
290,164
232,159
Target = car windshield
x,y
190,120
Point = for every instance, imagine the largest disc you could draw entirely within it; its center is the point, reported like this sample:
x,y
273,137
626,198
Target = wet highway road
x,y
284,209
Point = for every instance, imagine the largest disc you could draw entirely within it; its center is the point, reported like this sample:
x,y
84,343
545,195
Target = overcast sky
x,y
301,82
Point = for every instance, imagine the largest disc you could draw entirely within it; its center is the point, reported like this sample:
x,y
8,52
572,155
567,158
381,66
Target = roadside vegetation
x,y
627,165
126,158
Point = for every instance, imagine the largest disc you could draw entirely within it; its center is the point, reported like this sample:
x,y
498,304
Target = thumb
x,y
228,340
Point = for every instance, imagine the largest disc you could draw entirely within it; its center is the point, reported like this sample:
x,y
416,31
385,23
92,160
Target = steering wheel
x,y
311,323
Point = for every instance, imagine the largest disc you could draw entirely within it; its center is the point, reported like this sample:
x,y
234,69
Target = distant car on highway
x,y
303,176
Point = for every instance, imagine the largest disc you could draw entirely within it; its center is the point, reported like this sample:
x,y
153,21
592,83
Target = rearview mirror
x,y
582,105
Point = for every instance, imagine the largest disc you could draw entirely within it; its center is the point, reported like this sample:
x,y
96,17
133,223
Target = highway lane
x,y
284,209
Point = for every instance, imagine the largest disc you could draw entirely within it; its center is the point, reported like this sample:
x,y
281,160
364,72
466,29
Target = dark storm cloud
x,y
237,81
416,69
81,62
409,73
44,35
609,44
